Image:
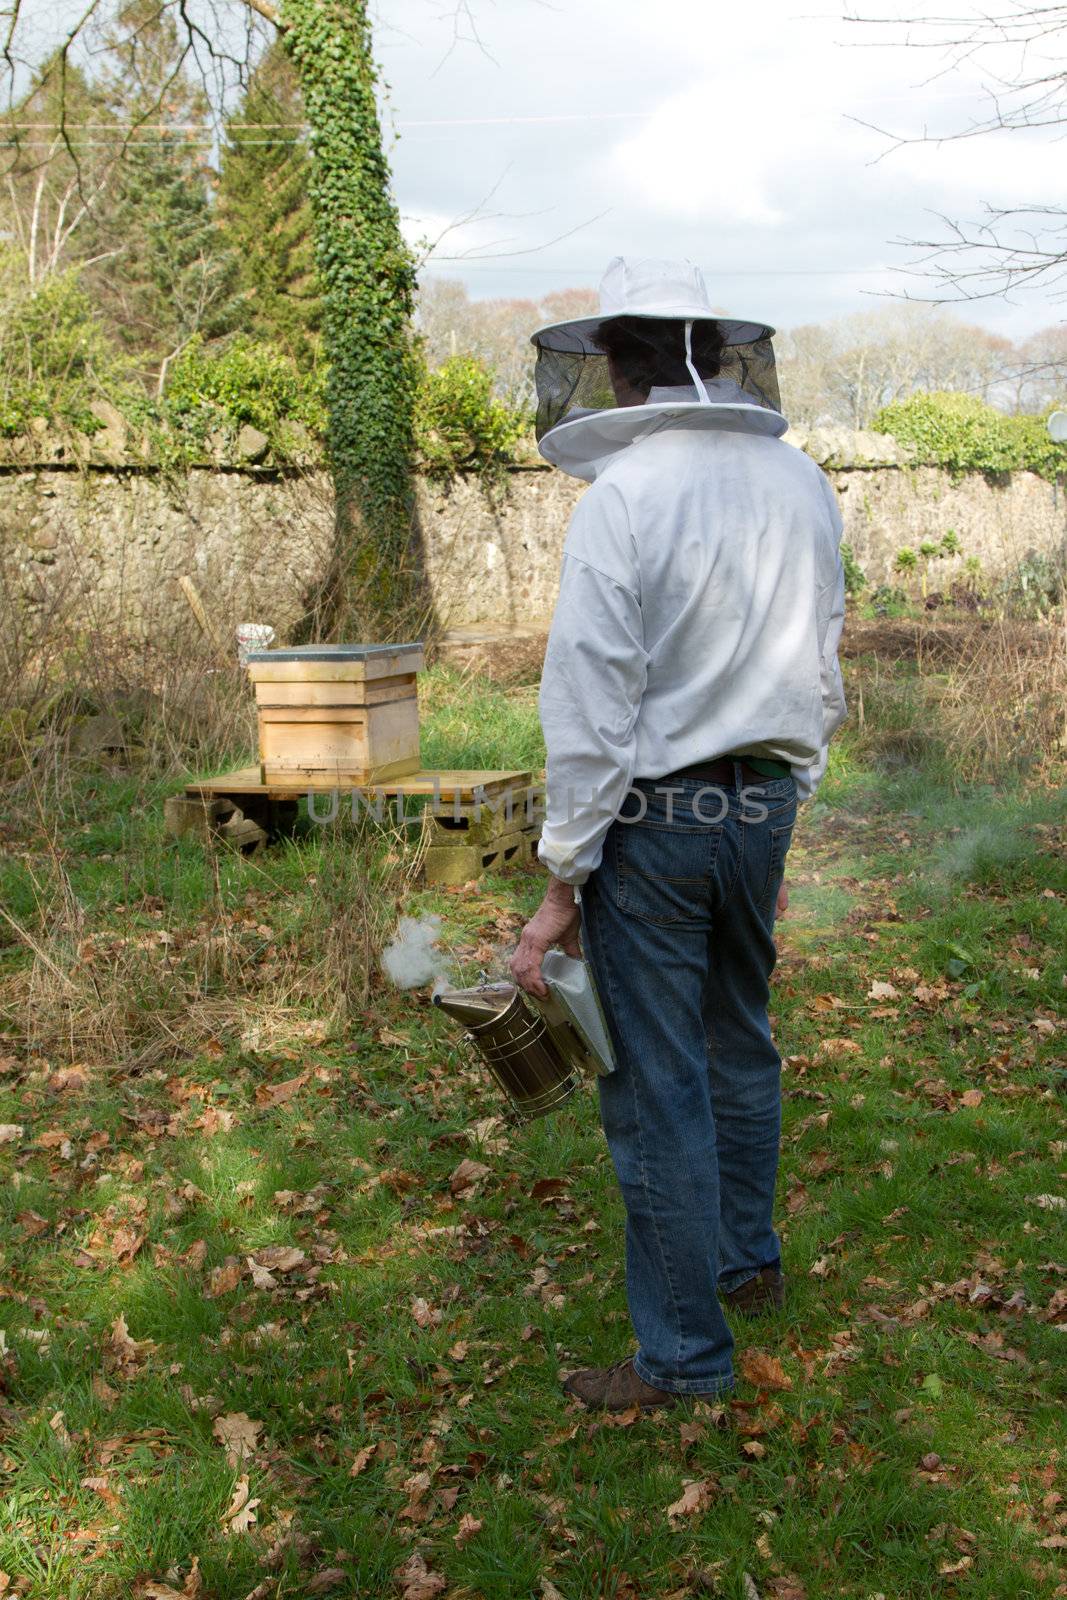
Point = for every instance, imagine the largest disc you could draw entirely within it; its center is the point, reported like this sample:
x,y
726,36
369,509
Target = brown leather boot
x,y
618,1388
759,1295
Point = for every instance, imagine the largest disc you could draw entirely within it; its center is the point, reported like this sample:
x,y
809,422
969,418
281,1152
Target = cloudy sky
x,y
727,134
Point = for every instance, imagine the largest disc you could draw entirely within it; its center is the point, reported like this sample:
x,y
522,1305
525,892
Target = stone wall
x,y
109,546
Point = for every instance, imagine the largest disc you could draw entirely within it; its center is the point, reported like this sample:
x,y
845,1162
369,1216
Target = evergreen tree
x,y
264,211
172,276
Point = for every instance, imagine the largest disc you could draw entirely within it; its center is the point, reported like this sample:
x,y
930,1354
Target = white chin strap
x,y
693,373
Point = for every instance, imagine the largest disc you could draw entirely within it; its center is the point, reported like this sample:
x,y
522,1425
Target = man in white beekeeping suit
x,y
690,689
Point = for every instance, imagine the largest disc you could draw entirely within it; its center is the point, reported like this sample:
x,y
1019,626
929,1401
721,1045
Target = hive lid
x,y
332,652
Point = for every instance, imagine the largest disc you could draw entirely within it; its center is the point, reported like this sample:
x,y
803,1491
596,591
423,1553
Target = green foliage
x,y
55,356
855,577
165,271
242,382
264,212
905,559
367,278
460,424
964,434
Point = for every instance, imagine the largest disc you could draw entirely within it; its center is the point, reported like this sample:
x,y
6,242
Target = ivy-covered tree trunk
x,y
367,277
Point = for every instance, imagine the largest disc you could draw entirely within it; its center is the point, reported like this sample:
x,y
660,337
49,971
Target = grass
x,y
388,1366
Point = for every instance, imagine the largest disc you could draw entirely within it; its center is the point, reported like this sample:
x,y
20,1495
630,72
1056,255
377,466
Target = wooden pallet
x,y
468,825
451,784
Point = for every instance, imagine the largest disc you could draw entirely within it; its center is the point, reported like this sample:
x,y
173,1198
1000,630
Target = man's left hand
x,y
557,921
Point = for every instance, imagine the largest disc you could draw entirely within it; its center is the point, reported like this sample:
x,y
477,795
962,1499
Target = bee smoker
x,y
537,1050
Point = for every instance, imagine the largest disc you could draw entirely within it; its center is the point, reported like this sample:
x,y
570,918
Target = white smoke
x,y
411,959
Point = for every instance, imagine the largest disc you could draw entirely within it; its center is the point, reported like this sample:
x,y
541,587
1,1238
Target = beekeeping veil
x,y
655,355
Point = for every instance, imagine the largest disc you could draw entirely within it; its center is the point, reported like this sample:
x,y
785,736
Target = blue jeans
x,y
677,925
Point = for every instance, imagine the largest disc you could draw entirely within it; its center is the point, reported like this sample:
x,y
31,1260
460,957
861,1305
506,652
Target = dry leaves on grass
x,y
240,1514
468,1527
836,1049
325,1580
224,1279
153,1589
417,1581
124,1356
277,1094
697,1495
764,1371
426,1315
361,1458
279,1257
466,1178
239,1435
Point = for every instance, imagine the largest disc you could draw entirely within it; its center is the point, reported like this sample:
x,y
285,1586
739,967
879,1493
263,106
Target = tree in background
x,y
264,211
166,275
495,332
843,372
1021,47
365,270
50,199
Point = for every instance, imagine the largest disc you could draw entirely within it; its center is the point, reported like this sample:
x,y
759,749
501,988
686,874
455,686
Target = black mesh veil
x,y
634,360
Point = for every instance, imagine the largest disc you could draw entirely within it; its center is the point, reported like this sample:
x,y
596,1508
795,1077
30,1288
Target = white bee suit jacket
x,y
699,613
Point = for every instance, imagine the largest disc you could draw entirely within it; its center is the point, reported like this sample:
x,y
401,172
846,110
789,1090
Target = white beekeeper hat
x,y
651,288
655,352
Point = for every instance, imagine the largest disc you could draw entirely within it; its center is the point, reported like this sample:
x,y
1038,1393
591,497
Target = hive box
x,y
337,714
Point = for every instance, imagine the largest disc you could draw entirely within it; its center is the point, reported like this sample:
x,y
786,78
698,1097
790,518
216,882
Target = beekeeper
x,y
690,689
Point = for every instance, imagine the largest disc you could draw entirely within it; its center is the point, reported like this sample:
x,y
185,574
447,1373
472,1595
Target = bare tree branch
x,y
995,254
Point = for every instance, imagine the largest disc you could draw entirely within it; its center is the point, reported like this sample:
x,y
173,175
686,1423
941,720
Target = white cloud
x,y
745,151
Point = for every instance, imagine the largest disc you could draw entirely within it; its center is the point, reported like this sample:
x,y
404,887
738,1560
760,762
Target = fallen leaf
x,y
261,1278
241,1512
238,1434
468,1527
328,1578
467,1175
696,1497
787,1587
882,991
278,1257
835,1049
276,1094
748,1587
59,1428
764,1371
123,1354
361,1458
1048,1202
426,1315
971,1097
416,1580
753,1448
224,1279
103,1391
150,1589
10,1131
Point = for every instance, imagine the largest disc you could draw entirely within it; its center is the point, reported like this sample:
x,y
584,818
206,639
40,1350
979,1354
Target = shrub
x,y
241,382
55,357
855,577
964,434
460,424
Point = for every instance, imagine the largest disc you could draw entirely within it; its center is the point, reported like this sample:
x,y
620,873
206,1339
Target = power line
x,y
459,264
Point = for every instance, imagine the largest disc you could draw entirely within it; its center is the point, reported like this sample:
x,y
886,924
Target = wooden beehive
x,y
342,713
